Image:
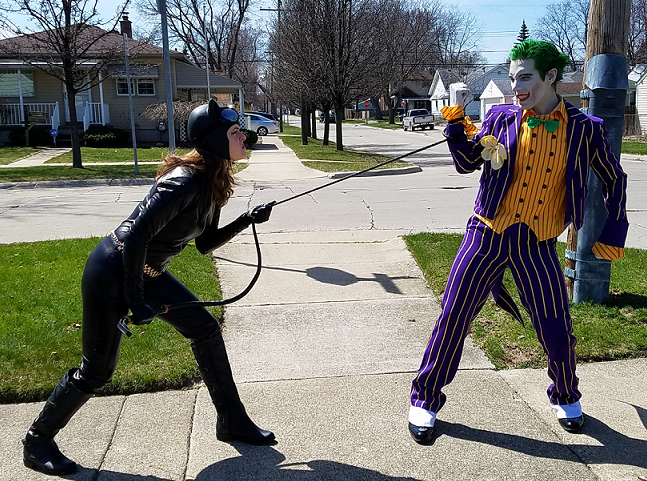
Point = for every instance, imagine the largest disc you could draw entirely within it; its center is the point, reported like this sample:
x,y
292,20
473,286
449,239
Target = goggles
x,y
225,116
229,115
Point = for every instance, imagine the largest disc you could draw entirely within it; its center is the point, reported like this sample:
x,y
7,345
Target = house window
x,y
139,86
9,84
145,86
122,86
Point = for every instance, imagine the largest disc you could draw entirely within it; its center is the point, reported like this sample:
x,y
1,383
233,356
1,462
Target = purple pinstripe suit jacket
x,y
587,147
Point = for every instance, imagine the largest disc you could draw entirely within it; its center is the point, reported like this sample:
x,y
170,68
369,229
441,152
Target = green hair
x,y
545,55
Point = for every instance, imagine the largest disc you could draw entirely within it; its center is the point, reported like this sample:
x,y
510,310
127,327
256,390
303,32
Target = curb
x,y
76,183
402,170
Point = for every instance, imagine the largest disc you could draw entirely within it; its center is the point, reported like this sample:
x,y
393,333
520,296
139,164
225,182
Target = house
x,y
413,92
25,87
476,80
499,91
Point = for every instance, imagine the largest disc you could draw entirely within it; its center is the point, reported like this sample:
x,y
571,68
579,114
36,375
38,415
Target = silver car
x,y
262,125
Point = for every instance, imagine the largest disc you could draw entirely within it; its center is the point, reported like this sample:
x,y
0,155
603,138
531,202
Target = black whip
x,y
125,321
354,174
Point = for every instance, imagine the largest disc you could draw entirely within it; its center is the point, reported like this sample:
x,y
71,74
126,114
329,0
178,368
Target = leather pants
x,y
104,304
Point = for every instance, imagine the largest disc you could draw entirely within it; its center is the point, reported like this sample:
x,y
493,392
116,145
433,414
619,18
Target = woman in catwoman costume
x,y
127,270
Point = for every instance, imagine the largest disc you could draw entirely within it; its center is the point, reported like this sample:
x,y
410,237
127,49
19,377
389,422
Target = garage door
x,y
486,104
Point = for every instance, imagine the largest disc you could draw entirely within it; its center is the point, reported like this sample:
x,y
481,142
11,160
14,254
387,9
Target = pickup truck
x,y
418,118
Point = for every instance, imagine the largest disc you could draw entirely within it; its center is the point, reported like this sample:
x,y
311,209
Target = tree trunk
x,y
74,128
339,116
378,109
326,114
313,117
304,123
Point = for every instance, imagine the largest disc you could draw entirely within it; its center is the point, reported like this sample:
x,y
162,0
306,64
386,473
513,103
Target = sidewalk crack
x,y
112,438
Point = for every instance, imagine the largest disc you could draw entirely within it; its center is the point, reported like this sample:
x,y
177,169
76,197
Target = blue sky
x,y
500,19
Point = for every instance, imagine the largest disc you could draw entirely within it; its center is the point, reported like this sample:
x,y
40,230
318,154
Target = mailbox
x,y
36,117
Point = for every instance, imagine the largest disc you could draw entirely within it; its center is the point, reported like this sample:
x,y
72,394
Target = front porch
x,y
92,113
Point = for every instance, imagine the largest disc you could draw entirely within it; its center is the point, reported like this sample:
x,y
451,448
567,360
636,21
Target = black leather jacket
x,y
177,209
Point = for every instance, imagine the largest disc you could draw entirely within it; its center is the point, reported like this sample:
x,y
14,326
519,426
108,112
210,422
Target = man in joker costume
x,y
535,158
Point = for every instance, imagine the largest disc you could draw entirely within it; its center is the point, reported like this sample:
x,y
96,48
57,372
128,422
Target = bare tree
x,y
69,45
565,24
415,44
189,20
458,41
637,41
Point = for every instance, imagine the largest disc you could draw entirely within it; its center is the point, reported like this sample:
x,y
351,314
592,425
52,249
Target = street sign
x,y
367,103
53,132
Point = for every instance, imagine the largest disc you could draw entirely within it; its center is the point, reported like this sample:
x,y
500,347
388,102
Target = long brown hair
x,y
218,172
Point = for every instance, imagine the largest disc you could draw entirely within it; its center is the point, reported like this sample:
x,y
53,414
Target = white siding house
x,y
476,81
498,91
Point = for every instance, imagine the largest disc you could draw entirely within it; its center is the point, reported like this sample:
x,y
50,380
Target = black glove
x,y
260,213
142,314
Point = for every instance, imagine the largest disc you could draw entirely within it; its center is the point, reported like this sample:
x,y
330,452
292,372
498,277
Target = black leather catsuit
x,y
177,209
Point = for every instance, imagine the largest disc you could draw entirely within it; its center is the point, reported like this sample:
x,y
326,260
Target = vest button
x,y
520,200
517,215
532,151
540,202
536,217
527,167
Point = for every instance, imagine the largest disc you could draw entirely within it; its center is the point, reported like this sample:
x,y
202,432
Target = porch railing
x,y
11,114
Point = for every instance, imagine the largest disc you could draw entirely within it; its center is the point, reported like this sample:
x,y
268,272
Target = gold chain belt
x,y
148,270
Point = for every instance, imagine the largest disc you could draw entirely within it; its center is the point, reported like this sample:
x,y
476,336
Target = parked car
x,y
262,125
418,119
331,117
262,114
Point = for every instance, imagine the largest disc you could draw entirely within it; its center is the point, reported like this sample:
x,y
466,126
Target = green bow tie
x,y
551,125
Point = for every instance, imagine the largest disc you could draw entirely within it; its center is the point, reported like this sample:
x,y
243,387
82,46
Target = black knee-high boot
x,y
40,451
233,422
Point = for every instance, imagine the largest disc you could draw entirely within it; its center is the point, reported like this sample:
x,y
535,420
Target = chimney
x,y
126,26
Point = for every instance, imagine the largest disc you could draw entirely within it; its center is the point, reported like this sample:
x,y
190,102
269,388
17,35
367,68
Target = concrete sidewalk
x,y
39,158
324,349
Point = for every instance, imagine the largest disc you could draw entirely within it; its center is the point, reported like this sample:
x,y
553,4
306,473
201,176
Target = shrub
x,y
102,136
38,135
252,138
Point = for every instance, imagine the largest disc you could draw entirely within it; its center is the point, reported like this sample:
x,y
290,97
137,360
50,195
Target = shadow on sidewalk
x,y
332,275
614,448
260,462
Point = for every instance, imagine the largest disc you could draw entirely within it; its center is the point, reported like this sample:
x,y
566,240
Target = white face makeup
x,y
530,89
237,149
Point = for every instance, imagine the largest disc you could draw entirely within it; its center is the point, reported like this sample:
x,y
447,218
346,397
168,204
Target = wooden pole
x,y
607,33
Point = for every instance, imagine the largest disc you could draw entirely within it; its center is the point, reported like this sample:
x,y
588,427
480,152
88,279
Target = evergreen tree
x,y
524,33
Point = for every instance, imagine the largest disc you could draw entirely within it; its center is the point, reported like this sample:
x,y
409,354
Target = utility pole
x,y
607,84
168,84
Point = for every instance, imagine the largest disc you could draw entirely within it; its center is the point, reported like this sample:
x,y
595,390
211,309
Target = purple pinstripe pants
x,y
481,260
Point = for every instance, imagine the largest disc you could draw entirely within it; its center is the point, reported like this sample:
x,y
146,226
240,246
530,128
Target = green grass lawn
x,y
614,330
328,159
11,154
91,155
40,316
383,124
58,172
634,147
